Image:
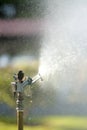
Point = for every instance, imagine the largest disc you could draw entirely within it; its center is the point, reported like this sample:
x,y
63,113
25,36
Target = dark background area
x,y
11,10
20,45
23,8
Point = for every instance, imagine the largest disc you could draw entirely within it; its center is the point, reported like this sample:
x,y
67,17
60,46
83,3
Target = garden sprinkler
x,y
18,87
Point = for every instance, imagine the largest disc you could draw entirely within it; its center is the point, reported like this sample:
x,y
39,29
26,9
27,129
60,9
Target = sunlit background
x,y
46,37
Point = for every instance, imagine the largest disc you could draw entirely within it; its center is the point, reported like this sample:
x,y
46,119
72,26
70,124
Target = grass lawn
x,y
52,123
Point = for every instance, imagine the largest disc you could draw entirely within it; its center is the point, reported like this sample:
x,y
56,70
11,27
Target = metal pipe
x,y
20,111
20,119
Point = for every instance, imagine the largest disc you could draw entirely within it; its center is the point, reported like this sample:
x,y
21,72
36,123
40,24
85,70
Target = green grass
x,y
51,123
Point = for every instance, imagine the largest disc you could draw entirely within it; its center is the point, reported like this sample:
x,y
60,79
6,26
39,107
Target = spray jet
x,y
22,81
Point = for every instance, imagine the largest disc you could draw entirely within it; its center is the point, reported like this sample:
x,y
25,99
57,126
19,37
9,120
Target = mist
x,y
64,46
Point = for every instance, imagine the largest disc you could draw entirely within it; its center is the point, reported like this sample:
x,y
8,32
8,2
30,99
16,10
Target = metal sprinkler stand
x,y
18,87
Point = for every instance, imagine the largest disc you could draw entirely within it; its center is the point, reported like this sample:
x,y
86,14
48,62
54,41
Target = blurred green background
x,y
21,31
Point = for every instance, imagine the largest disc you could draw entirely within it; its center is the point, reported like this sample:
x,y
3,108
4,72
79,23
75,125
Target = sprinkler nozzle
x,y
40,77
36,78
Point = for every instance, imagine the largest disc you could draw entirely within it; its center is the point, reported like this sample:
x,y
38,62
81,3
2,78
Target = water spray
x,y
18,87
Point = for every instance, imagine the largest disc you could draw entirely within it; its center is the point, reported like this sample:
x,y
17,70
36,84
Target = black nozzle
x,y
20,75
